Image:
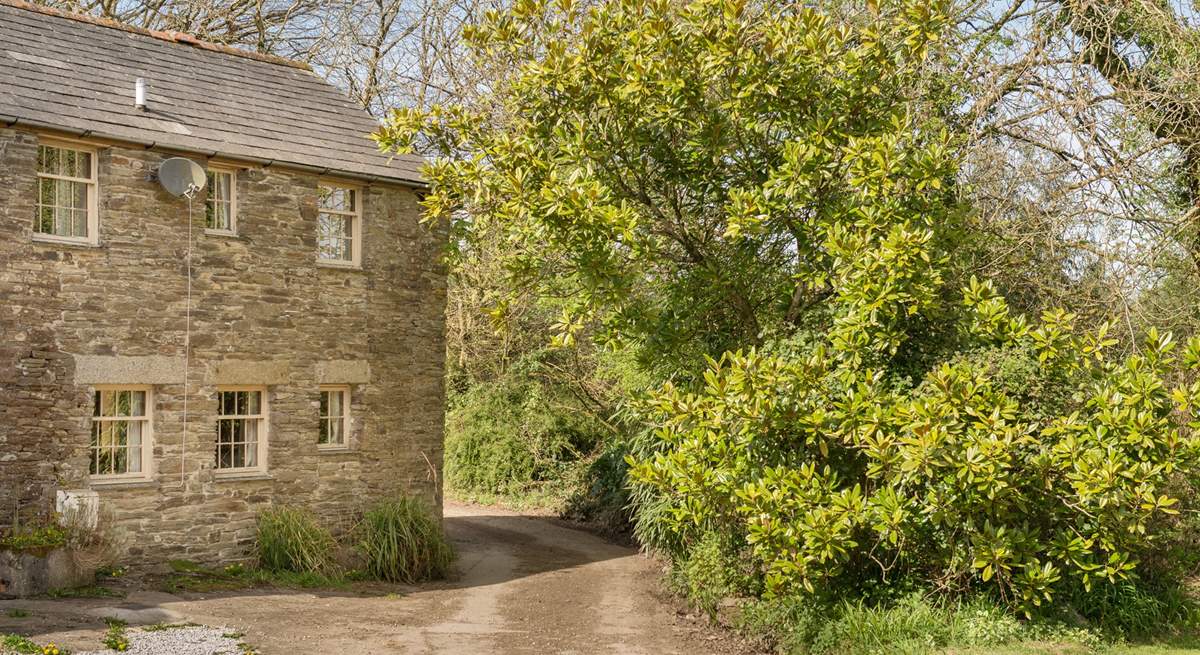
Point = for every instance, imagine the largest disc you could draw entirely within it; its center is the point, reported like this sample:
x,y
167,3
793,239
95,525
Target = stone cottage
x,y
278,338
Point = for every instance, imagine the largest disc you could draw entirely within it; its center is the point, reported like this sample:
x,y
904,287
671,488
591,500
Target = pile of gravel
x,y
183,640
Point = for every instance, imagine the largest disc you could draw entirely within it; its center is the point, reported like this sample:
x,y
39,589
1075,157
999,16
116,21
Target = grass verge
x,y
190,577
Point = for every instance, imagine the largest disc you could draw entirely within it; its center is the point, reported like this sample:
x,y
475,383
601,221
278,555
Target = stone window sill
x,y
341,266
243,476
121,483
51,240
220,233
334,450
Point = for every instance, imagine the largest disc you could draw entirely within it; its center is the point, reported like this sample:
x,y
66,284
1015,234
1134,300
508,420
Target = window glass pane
x,y
62,208
134,463
47,160
237,438
219,207
64,161
332,225
119,431
333,237
216,217
336,199
251,445
78,223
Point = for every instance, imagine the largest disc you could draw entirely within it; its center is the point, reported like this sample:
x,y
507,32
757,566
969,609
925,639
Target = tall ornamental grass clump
x,y
293,539
401,541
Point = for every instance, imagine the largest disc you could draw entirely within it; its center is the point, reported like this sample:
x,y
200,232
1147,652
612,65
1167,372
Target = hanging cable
x,y
187,340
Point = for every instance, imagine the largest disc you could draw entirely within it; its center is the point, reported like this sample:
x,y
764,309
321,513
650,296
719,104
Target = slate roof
x,y
77,74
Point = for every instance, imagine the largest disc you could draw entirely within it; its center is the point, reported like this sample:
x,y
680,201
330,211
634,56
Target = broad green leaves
x,y
960,480
689,176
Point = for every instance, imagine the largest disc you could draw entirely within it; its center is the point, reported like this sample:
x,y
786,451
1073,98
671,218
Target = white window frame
x,y
356,225
147,454
93,193
264,430
344,390
233,201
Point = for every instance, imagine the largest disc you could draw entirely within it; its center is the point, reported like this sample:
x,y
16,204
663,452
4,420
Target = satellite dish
x,y
181,177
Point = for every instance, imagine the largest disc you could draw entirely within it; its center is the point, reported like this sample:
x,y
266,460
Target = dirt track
x,y
525,585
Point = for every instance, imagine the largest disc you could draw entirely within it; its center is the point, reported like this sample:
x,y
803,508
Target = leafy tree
x,y
695,177
683,176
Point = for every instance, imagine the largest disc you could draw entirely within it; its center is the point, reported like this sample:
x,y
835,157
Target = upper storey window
x,y
220,209
339,226
66,194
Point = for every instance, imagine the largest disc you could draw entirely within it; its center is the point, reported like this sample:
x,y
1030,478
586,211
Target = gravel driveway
x,y
525,584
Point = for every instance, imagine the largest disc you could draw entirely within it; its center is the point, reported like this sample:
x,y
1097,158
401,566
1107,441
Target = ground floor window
x,y
241,429
335,416
121,432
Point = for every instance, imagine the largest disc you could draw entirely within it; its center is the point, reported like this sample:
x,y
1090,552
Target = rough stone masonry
x,y
263,313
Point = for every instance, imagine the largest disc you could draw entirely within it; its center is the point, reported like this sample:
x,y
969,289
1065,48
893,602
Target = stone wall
x,y
263,312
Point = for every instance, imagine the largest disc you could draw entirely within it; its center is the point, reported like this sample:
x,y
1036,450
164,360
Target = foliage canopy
x,y
779,183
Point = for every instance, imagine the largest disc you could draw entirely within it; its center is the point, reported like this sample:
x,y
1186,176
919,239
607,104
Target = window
x,y
339,226
220,209
241,429
121,430
66,195
335,417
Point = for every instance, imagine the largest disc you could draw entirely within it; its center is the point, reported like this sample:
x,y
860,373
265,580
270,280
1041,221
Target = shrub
x,y
838,476
293,539
510,435
601,496
401,541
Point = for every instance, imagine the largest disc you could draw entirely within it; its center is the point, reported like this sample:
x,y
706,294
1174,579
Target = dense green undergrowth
x,y
525,440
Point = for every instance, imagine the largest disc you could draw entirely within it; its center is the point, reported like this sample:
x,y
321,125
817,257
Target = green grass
x,y
12,643
191,577
17,613
19,644
90,591
913,625
1188,645
549,498
114,638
